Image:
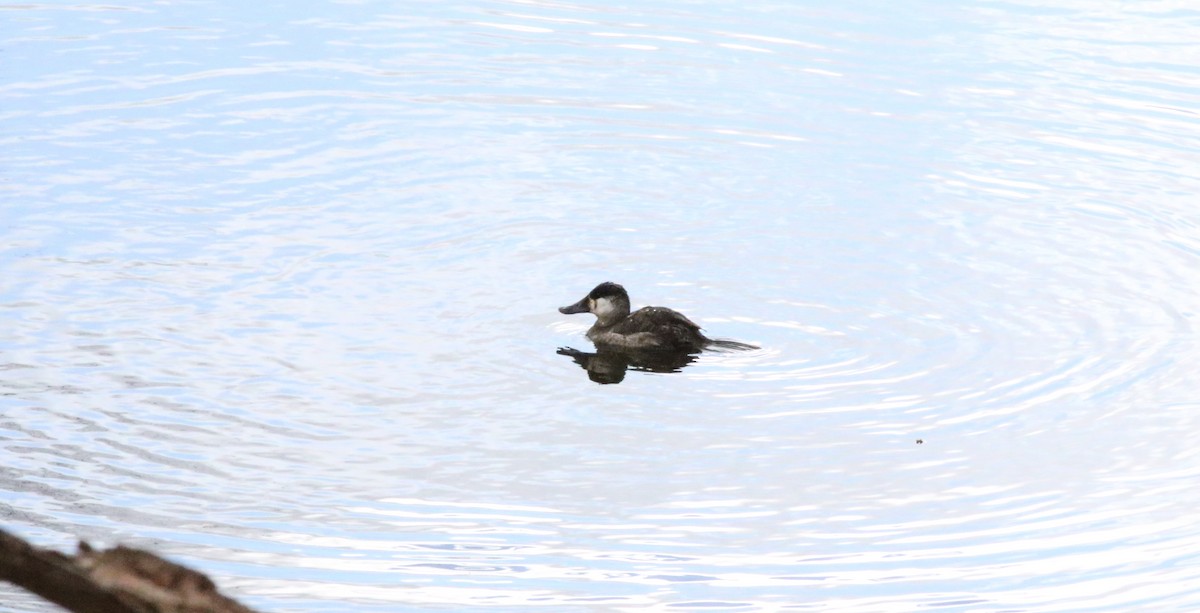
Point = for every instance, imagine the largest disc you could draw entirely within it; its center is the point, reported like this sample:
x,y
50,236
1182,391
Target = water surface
x,y
281,283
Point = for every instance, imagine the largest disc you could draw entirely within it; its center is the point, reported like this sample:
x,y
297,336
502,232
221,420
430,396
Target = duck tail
x,y
728,345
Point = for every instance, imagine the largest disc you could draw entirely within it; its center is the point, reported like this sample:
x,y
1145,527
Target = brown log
x,y
117,580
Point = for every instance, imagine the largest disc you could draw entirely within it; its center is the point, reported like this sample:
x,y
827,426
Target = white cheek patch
x,y
603,307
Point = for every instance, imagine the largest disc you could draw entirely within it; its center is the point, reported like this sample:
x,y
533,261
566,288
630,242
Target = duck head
x,y
609,302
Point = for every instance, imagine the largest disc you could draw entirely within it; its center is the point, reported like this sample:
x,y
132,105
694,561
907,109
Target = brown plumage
x,y
652,327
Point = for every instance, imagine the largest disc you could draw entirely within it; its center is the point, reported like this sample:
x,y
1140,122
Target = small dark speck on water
x,y
920,442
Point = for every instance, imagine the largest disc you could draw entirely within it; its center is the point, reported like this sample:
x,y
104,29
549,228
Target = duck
x,y
648,328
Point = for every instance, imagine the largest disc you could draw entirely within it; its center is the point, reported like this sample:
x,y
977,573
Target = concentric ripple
x,y
279,302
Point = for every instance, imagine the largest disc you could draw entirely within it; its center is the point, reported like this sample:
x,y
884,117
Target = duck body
x,y
648,328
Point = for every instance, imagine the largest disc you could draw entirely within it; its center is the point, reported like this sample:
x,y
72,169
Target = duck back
x,y
654,328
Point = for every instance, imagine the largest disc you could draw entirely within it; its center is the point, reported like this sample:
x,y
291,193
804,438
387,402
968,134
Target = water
x,y
280,285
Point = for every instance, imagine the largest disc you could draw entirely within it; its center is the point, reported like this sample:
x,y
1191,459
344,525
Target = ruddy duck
x,y
657,328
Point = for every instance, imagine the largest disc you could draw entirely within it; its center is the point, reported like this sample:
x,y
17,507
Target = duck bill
x,y
578,307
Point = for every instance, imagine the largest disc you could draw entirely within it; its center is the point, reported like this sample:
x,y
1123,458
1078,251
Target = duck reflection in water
x,y
655,339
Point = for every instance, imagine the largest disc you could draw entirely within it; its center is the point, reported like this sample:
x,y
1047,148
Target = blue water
x,y
280,288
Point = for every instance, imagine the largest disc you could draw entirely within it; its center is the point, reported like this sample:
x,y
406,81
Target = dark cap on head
x,y
606,289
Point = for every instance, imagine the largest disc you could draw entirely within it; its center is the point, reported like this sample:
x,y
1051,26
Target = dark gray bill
x,y
578,307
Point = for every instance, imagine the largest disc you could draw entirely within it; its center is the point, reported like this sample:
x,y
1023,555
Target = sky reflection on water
x,y
280,289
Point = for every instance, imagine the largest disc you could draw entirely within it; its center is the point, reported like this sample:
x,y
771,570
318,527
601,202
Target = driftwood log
x,y
117,580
